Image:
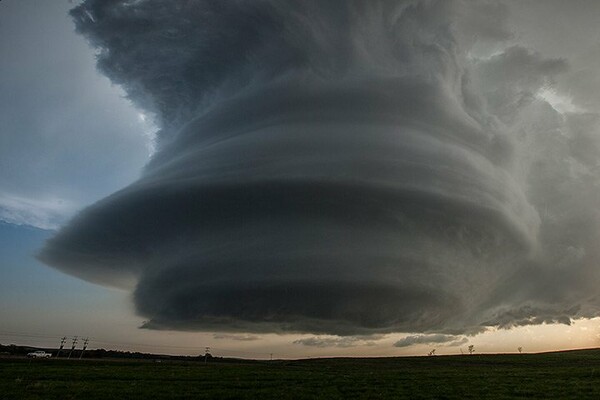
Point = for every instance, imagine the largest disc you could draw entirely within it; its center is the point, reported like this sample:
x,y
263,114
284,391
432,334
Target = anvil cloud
x,y
340,167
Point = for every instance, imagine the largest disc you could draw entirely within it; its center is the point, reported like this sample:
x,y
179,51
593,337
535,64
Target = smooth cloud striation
x,y
340,167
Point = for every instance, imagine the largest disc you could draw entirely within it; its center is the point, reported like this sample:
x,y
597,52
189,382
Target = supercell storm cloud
x,y
343,167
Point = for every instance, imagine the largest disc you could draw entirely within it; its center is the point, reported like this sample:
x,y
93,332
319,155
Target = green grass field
x,y
568,375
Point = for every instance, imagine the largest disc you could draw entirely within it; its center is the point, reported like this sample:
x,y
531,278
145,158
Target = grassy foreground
x,y
566,375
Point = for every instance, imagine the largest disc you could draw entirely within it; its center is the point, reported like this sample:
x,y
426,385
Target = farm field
x,y
568,375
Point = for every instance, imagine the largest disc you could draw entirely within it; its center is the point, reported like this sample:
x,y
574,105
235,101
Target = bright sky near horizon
x,y
339,238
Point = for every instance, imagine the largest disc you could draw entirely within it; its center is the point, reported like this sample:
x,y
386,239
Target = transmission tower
x,y
73,346
85,343
206,353
62,344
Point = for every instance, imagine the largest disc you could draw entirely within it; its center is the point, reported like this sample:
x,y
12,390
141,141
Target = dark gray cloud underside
x,y
344,168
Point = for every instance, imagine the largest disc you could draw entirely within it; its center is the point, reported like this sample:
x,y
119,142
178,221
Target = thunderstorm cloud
x,y
339,341
432,339
342,167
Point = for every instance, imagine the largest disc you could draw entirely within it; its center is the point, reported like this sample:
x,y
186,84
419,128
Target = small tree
x,y
471,349
520,349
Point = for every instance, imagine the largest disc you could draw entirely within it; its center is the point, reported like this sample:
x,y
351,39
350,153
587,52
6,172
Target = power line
x,y
19,334
100,340
196,349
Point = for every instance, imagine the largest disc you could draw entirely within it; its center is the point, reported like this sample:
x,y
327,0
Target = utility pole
x,y
73,346
85,343
271,356
62,344
206,353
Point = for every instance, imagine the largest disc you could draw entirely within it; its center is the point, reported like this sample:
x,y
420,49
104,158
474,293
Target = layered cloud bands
x,y
330,167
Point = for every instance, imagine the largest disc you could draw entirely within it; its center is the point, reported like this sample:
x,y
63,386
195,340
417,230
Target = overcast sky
x,y
301,178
